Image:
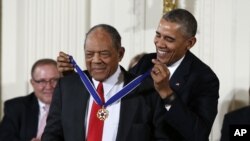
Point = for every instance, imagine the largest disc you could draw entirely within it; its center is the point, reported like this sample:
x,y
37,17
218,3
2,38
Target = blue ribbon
x,y
123,92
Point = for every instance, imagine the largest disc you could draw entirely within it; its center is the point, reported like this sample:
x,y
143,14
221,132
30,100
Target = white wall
x,y
32,29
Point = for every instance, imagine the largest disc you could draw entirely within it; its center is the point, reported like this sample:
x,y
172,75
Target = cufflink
x,y
167,107
168,101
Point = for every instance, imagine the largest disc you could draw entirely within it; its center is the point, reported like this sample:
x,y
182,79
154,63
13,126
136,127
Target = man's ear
x,y
31,82
121,52
191,42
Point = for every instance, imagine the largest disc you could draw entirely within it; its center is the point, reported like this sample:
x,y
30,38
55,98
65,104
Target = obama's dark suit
x,y
196,91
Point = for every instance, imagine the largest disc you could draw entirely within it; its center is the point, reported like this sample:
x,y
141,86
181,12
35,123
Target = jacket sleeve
x,y
225,129
194,109
9,129
53,130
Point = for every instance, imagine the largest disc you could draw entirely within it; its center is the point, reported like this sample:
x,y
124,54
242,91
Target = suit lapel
x,y
178,79
127,111
32,113
83,96
127,114
84,107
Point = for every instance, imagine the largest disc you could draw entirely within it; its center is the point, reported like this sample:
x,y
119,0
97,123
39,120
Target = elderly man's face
x,y
102,58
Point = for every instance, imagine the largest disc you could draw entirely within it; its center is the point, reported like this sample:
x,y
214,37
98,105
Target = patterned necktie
x,y
96,125
42,122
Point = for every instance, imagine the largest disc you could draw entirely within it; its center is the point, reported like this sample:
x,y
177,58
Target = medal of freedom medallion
x,y
102,114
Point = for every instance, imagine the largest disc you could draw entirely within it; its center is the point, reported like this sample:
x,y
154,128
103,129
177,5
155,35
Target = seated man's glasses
x,y
43,82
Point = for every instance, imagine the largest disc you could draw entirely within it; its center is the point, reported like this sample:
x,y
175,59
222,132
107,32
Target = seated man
x,y
24,116
237,117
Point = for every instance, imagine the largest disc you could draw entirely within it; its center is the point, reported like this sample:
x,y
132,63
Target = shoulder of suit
x,y
71,76
17,101
197,64
149,56
240,111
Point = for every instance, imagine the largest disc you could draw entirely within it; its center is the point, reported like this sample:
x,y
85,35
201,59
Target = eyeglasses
x,y
44,83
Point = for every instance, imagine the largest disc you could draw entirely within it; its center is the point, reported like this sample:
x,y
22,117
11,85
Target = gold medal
x,y
102,113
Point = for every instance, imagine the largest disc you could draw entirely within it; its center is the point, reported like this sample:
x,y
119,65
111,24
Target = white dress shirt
x,y
42,111
174,66
110,86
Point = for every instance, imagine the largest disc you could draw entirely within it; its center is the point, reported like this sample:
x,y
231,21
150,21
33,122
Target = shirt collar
x,y
174,66
41,104
110,82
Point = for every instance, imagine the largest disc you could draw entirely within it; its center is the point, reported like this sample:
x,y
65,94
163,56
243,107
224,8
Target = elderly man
x,y
103,103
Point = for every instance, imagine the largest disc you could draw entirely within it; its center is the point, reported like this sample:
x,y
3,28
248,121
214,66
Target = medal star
x,y
102,114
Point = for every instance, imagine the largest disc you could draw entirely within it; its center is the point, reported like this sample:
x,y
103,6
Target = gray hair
x,y
40,62
185,19
114,34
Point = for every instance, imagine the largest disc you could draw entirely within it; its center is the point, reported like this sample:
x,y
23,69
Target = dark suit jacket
x,y
139,116
196,89
237,117
20,119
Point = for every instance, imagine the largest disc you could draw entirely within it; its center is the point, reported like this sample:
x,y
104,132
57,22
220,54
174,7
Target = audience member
x,y
188,87
236,117
24,117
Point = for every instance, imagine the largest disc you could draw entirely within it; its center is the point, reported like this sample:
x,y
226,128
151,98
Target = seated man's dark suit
x,y
139,112
196,91
20,119
237,117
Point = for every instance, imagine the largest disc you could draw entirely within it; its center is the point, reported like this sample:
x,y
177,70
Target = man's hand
x,y
160,75
63,63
